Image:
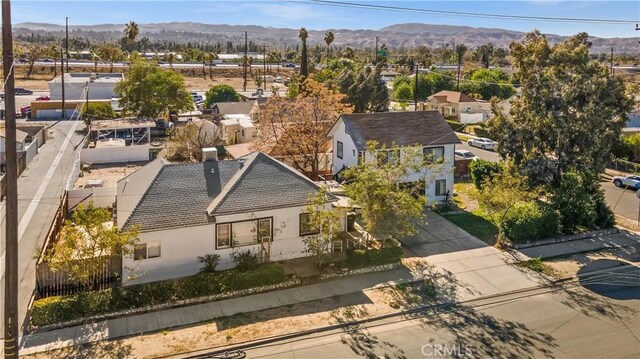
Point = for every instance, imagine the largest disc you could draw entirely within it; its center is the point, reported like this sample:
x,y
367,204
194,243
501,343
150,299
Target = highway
x,y
86,63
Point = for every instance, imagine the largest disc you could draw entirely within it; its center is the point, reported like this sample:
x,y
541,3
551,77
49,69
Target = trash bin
x,y
351,221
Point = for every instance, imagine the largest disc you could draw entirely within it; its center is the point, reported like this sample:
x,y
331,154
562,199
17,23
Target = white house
x,y
237,128
187,210
426,129
100,86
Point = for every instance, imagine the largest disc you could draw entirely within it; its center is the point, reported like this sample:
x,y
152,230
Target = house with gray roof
x,y
187,210
427,131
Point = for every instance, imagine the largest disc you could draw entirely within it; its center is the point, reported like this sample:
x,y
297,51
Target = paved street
x,y
479,152
580,322
39,191
623,201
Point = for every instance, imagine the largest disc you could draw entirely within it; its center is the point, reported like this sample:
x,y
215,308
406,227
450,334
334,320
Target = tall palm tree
x,y
461,49
304,65
131,31
328,39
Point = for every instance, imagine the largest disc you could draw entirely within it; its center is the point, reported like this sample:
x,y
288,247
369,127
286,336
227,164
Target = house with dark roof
x,y
454,103
427,130
187,210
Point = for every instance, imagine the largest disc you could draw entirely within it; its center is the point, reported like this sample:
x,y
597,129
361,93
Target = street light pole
x,y
11,346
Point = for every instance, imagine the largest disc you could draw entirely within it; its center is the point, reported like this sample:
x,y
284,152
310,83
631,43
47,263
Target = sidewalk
x,y
154,321
615,241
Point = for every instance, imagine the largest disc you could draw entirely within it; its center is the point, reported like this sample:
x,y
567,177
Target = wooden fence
x,y
50,283
461,170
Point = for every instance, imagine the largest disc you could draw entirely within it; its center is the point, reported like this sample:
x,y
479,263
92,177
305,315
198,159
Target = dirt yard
x,y
109,174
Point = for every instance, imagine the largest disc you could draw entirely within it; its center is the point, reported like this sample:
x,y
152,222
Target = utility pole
x,y
611,61
66,41
245,63
62,80
376,50
264,67
11,345
415,91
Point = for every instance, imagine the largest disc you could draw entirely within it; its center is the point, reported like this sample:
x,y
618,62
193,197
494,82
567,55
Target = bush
x,y
482,170
58,309
245,260
357,257
209,263
530,221
384,255
481,131
579,201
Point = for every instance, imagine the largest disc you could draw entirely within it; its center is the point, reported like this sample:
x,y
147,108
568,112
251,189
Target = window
x,y
441,187
389,156
433,154
361,157
340,149
146,250
242,132
306,227
467,109
244,233
453,110
224,235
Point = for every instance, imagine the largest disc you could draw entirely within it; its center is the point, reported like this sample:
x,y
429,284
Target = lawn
x,y
468,216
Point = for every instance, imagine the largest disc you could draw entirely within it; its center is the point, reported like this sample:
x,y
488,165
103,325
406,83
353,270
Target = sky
x,y
295,14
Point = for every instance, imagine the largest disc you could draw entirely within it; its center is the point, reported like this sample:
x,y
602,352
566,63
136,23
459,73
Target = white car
x,y
197,98
464,154
484,143
628,182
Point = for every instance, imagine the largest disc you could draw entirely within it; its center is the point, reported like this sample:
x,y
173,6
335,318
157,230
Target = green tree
x,y
484,53
304,61
349,53
220,93
171,58
86,243
148,91
324,223
98,111
53,52
403,93
461,49
111,53
36,51
388,209
488,83
365,91
500,193
131,31
569,115
328,39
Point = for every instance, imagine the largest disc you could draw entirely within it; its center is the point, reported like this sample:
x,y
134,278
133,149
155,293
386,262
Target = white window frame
x,y
146,250
436,187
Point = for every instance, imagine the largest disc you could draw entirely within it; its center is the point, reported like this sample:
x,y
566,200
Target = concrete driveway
x,y
483,268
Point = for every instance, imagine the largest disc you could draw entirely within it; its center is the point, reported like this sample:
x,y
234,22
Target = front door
x,y
265,234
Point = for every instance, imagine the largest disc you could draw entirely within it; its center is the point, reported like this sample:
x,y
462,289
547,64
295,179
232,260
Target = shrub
x,y
529,222
481,131
457,126
63,308
209,263
481,170
384,255
357,257
245,260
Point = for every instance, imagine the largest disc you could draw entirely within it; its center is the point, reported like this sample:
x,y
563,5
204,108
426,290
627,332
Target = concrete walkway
x,y
154,321
616,241
478,268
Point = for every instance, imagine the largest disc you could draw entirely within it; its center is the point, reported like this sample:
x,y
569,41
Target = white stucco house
x,y
186,210
426,129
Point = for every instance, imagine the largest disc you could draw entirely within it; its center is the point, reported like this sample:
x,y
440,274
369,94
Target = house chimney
x,y
209,154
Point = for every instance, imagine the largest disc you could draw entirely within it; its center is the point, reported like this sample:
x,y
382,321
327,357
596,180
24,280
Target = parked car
x,y
627,182
43,98
289,65
23,91
484,143
464,154
25,112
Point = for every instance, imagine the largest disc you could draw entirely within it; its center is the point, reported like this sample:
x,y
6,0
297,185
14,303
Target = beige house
x,y
453,103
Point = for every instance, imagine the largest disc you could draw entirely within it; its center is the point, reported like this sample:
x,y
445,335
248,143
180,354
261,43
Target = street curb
x,y
565,239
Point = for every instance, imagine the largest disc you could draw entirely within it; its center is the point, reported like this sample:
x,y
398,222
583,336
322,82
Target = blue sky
x,y
313,16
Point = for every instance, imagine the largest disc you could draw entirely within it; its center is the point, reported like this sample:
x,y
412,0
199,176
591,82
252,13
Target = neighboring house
x,y
453,103
21,138
237,129
101,86
632,126
233,108
187,210
427,129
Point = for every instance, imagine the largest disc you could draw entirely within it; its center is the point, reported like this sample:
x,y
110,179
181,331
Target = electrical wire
x,y
463,13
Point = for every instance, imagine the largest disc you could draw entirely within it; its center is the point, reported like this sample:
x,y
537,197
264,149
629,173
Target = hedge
x,y
62,308
481,131
531,221
385,255
482,170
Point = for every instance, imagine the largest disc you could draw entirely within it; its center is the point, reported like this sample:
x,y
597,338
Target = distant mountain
x,y
395,36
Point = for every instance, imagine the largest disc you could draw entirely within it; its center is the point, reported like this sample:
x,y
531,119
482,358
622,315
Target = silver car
x,y
627,182
484,143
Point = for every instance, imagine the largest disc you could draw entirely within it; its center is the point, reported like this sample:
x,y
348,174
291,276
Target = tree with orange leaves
x,y
295,130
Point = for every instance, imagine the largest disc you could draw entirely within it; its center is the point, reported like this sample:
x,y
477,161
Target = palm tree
x,y
131,31
53,52
461,49
328,39
304,66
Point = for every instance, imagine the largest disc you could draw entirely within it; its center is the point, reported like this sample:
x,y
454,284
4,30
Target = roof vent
x,y
209,154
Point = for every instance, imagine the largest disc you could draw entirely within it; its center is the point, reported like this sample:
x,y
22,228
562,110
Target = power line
x,y
462,13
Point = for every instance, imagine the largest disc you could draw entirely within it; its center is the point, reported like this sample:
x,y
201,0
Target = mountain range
x,y
394,36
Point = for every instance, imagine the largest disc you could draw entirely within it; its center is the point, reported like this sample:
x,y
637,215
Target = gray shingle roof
x,y
424,128
185,195
233,108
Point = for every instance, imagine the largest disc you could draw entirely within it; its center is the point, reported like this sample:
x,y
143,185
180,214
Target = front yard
x,y
469,216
